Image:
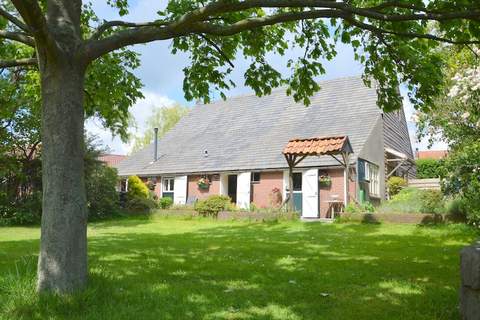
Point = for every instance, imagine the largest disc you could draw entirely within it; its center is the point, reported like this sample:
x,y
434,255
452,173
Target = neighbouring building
x,y
112,160
234,148
431,154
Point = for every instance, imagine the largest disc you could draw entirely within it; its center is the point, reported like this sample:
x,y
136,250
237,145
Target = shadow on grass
x,y
261,271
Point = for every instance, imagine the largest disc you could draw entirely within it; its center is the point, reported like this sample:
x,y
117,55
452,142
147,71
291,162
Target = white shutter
x,y
285,185
224,184
243,190
310,193
180,190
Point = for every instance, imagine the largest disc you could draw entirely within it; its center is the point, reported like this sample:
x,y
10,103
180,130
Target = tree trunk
x,y
62,265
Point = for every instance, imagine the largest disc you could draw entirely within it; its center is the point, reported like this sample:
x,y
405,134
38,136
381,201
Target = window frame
x,y
252,177
168,184
372,175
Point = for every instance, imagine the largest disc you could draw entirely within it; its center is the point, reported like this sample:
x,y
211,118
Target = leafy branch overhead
x,y
395,40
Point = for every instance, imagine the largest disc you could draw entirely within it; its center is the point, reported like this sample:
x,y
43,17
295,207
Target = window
x,y
297,181
255,177
371,173
168,184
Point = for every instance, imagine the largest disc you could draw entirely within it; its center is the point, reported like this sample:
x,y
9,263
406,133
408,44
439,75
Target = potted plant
x,y
325,180
203,183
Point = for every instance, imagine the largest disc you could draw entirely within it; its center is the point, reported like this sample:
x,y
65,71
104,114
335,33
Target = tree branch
x,y
219,50
116,23
196,21
18,62
14,20
18,36
410,35
33,16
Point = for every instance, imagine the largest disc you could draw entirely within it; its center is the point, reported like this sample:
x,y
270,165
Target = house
x,y
111,160
235,148
431,154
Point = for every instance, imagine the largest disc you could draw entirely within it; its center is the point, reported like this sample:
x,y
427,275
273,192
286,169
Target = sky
x,y
162,76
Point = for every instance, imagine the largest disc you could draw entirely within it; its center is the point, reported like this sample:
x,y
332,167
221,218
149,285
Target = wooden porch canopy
x,y
298,149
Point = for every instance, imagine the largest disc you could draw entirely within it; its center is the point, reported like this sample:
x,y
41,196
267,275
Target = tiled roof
x,y
111,160
249,132
316,146
432,154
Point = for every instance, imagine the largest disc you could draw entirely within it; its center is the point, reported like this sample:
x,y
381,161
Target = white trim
x,y
310,197
396,153
243,190
169,189
180,190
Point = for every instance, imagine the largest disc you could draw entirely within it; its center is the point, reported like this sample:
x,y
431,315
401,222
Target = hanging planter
x,y
203,183
325,181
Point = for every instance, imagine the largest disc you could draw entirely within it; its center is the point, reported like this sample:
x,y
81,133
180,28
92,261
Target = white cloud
x,y
140,112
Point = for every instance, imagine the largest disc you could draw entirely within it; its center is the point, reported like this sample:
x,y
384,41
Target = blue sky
x,y
162,75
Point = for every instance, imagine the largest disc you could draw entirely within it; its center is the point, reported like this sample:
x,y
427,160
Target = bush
x,y
355,208
165,202
139,197
456,210
137,189
138,204
428,168
432,201
395,184
212,205
413,200
27,211
102,197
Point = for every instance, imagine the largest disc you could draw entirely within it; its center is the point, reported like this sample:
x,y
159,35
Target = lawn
x,y
173,268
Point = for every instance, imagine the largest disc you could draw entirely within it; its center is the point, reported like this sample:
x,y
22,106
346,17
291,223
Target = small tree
x,y
163,118
137,189
395,184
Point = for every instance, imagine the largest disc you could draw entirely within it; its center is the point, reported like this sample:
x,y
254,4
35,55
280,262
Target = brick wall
x,y
336,188
193,191
261,192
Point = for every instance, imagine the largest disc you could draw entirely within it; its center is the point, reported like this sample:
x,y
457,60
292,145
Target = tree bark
x,y
62,265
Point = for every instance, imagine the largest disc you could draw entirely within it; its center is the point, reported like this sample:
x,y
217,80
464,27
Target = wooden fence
x,y
425,183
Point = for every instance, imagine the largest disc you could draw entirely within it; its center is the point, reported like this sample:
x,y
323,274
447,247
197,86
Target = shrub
x,y
428,168
138,204
139,197
406,201
165,202
395,184
432,201
27,211
355,208
102,197
136,188
456,210
212,205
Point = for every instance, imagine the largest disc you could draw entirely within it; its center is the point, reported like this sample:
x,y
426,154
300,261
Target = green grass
x,y
173,268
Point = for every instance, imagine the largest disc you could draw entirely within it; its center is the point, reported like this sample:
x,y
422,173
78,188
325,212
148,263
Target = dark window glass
x,y
297,181
255,177
172,182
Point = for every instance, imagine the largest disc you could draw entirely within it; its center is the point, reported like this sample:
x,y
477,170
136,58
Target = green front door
x,y
297,191
297,201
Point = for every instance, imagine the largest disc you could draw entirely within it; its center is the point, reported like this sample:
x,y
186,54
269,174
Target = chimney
x,y
155,144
